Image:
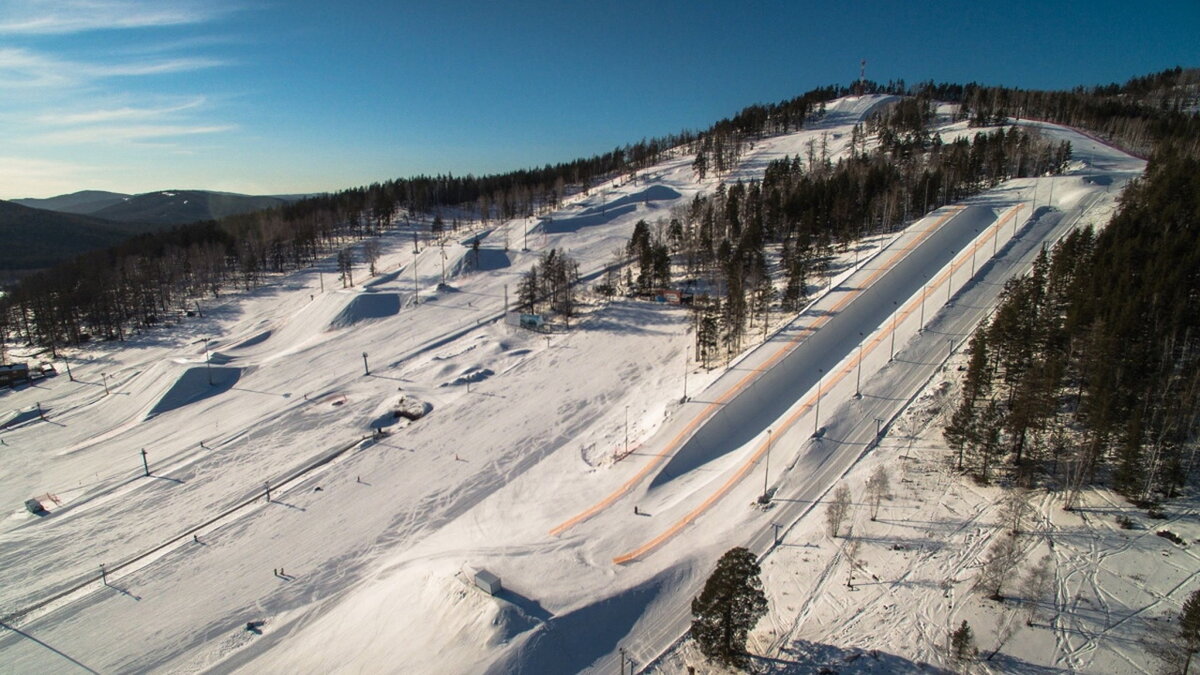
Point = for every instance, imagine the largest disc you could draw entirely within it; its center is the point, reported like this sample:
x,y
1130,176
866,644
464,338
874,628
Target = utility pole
x,y
366,370
145,464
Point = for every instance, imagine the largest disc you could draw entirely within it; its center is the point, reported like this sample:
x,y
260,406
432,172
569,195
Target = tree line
x,y
805,206
1089,369
112,293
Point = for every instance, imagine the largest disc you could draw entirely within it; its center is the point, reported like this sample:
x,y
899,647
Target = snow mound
x,y
194,386
20,417
366,307
483,260
473,374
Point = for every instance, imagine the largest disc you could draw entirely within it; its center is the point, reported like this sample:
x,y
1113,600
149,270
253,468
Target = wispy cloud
x,y
134,133
25,68
121,114
51,17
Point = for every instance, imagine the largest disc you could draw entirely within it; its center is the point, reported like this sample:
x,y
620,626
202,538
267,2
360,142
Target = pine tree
x,y
962,643
727,609
1189,629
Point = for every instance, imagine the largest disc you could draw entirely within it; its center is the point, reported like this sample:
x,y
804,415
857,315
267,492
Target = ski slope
x,y
514,468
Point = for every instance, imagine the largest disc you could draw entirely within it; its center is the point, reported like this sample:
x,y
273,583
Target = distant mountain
x,y
165,207
36,238
83,202
176,207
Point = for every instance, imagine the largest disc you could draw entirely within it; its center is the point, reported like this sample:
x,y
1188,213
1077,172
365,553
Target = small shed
x,y
489,582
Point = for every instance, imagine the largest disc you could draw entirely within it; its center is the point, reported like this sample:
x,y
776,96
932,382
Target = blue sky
x,y
267,96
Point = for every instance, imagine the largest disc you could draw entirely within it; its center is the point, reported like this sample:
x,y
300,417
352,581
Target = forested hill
x,y
35,238
177,207
84,202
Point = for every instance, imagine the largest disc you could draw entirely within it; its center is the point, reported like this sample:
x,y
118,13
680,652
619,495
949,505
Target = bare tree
x,y
998,566
345,263
370,253
838,509
878,487
1036,584
1014,510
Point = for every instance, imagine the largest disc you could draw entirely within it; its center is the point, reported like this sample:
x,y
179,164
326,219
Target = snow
x,y
531,455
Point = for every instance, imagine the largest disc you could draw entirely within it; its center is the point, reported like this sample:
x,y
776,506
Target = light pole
x,y
878,426
950,280
207,363
858,372
366,370
892,350
104,379
687,352
627,430
817,411
924,292
766,471
68,365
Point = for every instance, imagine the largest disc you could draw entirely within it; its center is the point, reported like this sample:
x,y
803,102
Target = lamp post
x,y
817,411
627,430
924,292
766,471
687,352
892,350
366,369
207,362
858,372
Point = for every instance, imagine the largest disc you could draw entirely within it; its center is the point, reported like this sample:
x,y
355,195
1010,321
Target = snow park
x,y
468,440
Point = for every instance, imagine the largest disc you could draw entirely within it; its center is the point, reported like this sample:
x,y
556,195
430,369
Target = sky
x,y
301,96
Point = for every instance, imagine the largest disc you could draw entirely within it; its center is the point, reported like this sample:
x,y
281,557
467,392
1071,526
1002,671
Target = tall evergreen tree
x,y
727,609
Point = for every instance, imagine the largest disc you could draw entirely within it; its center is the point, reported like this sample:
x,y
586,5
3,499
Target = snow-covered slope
x,y
514,468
